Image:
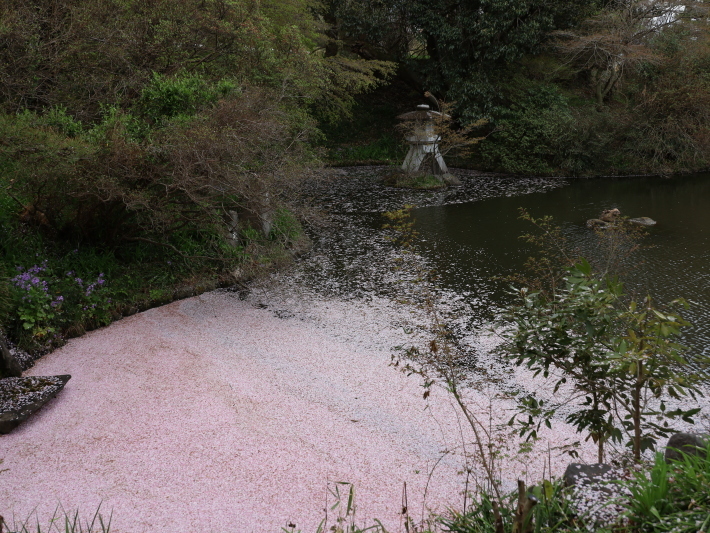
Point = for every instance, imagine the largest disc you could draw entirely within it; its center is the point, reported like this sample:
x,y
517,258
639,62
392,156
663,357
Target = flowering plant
x,y
35,304
47,305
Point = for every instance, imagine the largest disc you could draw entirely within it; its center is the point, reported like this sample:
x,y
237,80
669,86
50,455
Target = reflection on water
x,y
470,235
472,243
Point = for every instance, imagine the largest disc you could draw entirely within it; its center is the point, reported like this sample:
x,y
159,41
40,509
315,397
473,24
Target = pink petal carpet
x,y
214,415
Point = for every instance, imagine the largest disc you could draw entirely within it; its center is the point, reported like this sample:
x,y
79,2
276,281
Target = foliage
x,y
47,304
285,228
165,98
615,42
441,43
108,187
582,88
138,122
617,360
527,135
673,105
63,522
553,512
672,497
133,269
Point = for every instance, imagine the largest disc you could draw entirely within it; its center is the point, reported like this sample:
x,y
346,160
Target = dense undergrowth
x,y
568,88
57,289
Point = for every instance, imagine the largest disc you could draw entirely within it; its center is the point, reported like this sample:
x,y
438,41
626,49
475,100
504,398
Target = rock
x,y
450,179
610,215
10,366
642,221
597,223
684,443
20,397
593,496
581,474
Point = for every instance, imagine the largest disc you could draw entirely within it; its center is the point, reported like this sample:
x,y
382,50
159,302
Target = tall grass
x,y
61,522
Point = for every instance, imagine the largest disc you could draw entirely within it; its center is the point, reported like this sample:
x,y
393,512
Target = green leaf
x,y
548,489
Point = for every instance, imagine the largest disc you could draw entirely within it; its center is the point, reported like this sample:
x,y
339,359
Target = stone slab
x,y
685,443
22,396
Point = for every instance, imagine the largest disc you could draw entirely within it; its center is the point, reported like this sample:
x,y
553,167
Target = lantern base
x,y
425,158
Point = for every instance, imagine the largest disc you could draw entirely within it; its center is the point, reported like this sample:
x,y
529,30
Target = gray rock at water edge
x,y
19,409
597,223
450,179
593,494
9,365
642,221
685,443
581,474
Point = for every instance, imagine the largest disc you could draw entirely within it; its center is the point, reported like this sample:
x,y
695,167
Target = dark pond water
x,y
470,235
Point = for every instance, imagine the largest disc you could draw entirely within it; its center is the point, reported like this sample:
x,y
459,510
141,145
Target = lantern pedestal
x,y
424,155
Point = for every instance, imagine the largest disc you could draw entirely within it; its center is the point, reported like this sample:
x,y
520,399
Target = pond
x,y
470,235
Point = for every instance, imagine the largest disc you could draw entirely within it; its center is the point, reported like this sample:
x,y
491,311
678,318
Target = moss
x,y
414,181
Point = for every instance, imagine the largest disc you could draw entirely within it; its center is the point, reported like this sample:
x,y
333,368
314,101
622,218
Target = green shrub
x,y
526,135
285,227
166,97
672,497
553,512
47,304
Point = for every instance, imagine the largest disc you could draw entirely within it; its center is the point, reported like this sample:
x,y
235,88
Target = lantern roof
x,y
422,113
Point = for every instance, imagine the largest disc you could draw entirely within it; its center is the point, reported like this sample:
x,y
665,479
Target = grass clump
x,y
62,522
672,496
417,180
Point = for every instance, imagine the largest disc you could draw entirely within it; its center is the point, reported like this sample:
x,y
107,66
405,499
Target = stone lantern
x,y
423,155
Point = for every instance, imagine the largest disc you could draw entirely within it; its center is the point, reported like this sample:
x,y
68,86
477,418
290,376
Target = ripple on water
x,y
469,235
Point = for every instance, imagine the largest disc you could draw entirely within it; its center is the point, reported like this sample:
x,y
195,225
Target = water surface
x,y
470,236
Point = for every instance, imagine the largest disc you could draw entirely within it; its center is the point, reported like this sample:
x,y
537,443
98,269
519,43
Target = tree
x,y
617,41
85,55
160,116
458,50
618,358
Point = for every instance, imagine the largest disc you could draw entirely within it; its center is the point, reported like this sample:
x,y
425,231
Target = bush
x,y
184,95
673,497
107,187
526,138
47,304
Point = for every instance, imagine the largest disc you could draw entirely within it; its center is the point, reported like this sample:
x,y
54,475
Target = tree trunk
x,y
637,412
523,522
